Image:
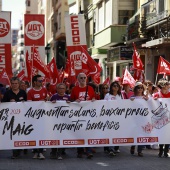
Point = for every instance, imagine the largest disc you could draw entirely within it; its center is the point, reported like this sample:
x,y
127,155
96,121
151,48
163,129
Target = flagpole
x,y
32,64
156,78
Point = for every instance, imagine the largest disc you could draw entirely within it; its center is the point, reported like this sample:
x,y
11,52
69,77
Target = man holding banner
x,y
15,95
80,93
37,93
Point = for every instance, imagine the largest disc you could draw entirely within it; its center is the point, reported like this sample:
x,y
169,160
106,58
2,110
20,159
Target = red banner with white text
x,y
5,42
34,38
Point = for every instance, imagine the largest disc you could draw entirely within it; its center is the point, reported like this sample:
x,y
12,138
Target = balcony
x,y
110,36
152,18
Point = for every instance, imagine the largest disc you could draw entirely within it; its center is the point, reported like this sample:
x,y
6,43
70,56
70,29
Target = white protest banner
x,y
99,123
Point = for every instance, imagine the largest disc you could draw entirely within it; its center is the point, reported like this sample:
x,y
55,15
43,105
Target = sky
x,y
17,8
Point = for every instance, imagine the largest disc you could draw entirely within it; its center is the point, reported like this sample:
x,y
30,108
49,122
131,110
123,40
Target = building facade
x,y
106,31
55,31
0,5
149,29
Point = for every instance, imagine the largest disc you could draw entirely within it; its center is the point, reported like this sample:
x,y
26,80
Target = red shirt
x,y
161,95
80,92
37,95
127,95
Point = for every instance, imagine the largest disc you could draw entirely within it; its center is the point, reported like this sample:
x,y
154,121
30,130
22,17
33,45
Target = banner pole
x,y
156,78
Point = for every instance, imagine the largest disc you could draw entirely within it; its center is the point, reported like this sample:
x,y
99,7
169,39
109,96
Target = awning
x,y
132,19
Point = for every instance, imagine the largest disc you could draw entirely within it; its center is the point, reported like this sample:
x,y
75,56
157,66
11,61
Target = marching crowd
x,y
85,90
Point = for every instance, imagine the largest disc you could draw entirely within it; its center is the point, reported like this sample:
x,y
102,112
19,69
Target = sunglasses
x,y
82,77
40,81
139,87
115,86
105,88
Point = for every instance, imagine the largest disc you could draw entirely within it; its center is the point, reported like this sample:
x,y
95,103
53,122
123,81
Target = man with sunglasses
x,y
37,93
80,93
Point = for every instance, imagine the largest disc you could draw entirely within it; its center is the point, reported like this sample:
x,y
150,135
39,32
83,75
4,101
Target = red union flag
x,y
78,62
139,75
4,79
107,81
5,42
163,66
34,30
54,75
93,68
128,79
21,74
38,63
137,63
76,37
31,70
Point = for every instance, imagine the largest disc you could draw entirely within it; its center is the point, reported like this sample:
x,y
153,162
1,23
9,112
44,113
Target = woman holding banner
x,y
114,94
163,93
138,94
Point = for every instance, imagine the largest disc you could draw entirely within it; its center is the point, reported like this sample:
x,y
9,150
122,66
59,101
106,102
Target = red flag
x,y
4,79
137,63
22,77
107,81
93,68
163,66
128,79
54,75
31,71
38,63
71,79
139,75
21,74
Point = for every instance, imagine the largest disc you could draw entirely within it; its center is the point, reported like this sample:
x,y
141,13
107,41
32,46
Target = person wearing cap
x,y
138,94
163,84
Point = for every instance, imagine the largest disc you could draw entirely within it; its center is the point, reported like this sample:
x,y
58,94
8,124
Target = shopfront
x,y
117,60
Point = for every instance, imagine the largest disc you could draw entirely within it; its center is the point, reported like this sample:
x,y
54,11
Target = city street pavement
x,y
100,161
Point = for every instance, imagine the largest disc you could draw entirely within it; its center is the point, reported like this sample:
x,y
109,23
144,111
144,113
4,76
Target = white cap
x,y
138,83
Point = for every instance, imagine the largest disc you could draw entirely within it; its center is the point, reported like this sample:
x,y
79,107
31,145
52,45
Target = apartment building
x,y
149,29
55,31
0,5
105,32
31,7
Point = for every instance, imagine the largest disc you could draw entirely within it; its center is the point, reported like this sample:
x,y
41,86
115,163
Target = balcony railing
x,y
152,18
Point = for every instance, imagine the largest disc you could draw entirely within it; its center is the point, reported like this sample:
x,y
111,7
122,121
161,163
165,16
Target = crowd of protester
x,y
84,90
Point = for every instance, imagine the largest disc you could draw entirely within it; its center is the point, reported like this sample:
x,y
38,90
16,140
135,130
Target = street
x,y
100,161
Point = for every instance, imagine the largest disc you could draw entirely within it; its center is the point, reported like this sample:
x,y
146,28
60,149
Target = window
x,y
161,6
101,17
124,16
28,3
108,13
